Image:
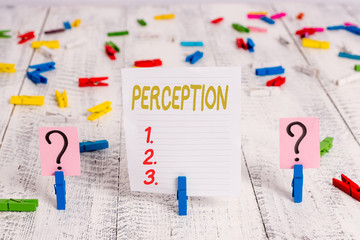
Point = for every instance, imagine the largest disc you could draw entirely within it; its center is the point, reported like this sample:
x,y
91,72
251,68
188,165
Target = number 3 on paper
x,y
151,175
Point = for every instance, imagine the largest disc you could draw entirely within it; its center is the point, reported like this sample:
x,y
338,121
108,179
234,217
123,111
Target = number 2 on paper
x,y
151,175
146,162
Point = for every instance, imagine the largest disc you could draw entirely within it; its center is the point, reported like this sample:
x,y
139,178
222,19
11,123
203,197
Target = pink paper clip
x,y
254,16
279,15
350,24
257,29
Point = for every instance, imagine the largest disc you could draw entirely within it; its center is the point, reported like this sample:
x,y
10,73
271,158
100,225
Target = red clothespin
x,y
148,63
347,186
305,32
26,37
92,82
110,52
241,44
276,82
217,20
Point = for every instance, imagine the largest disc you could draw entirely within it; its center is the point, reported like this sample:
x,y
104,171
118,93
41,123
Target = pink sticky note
x,y
308,147
52,142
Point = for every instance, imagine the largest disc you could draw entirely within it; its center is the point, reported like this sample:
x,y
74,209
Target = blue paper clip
x,y
268,20
193,58
67,25
192,44
60,190
36,77
269,71
297,183
181,196
348,55
44,67
250,44
93,146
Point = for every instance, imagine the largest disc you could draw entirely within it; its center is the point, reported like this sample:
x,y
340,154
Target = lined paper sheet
x,y
185,122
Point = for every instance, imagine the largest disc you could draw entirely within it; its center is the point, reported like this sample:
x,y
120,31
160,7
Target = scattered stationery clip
x,y
306,32
60,118
90,146
269,71
326,145
217,20
283,41
92,82
19,205
310,71
300,16
75,43
276,82
35,76
164,17
279,15
76,23
55,31
297,183
7,68
337,27
61,99
353,29
348,55
255,16
49,44
350,24
267,20
192,44
348,79
113,45
47,52
250,45
148,63
306,42
3,34
141,22
110,52
257,29
241,44
60,190
357,68
264,91
347,186
67,25
240,28
115,34
193,58
99,110
27,100
26,37
181,196
43,67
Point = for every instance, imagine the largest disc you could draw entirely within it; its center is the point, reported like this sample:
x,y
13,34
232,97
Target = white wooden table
x,y
100,204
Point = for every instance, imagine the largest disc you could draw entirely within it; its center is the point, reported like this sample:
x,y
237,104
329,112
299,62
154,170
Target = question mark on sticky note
x,y
66,143
291,134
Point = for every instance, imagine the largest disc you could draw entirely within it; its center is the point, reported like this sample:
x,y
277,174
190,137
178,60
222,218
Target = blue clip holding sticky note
x,y
192,44
44,67
93,146
67,25
250,44
193,58
268,20
269,71
297,183
60,190
181,196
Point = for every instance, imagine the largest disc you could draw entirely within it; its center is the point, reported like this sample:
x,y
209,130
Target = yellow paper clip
x,y
49,44
164,17
99,110
76,23
61,99
28,100
306,42
7,67
258,13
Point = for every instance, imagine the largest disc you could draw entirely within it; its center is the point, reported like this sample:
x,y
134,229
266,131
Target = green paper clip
x,y
240,28
141,22
114,34
3,35
325,145
357,68
113,45
18,205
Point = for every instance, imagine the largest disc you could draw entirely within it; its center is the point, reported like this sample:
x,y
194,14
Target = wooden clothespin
x,y
3,34
61,98
297,183
26,37
60,190
92,82
347,186
99,110
7,68
181,196
18,205
27,100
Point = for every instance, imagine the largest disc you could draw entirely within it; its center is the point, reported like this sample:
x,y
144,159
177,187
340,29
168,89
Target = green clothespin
x,y
141,22
114,34
3,35
18,205
326,145
240,28
113,45
357,68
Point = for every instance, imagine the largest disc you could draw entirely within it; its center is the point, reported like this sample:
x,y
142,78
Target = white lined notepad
x,y
185,122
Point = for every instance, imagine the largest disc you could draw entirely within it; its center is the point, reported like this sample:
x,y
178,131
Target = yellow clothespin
x,y
258,13
99,110
61,99
164,17
7,67
306,42
49,44
28,100
76,23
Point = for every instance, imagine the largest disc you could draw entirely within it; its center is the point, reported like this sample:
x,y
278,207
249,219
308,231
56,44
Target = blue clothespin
x,y
60,190
193,58
268,20
44,67
338,27
297,183
192,44
250,44
353,29
269,71
36,77
181,196
67,25
93,146
348,55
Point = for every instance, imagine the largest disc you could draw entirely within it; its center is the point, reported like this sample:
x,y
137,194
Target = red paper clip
x,y
347,186
241,44
148,63
110,52
92,82
217,20
276,82
26,37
